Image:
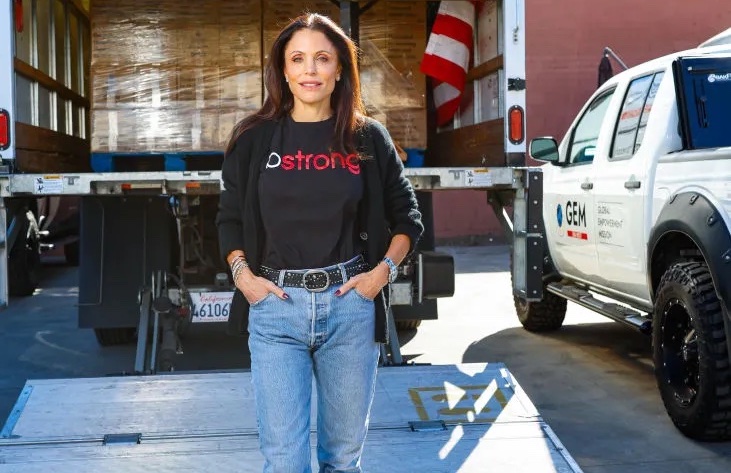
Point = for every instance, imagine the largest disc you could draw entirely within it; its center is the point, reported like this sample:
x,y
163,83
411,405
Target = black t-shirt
x,y
309,197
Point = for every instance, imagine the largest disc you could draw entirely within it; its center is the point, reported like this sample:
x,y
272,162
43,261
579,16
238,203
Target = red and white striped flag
x,y
447,56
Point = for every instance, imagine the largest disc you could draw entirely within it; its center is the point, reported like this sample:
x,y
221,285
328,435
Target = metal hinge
x,y
516,83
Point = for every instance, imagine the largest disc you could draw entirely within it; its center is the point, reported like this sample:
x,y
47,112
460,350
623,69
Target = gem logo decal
x,y
574,215
559,215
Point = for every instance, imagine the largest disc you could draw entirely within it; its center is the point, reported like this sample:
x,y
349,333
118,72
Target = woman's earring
x,y
337,78
286,79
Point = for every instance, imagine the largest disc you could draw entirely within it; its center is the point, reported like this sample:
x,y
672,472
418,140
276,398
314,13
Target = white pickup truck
x,y
637,215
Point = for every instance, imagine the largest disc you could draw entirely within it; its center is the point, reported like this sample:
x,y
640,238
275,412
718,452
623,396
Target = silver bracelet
x,y
238,264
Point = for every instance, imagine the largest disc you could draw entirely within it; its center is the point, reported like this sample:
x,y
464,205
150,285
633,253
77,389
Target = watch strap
x,y
392,269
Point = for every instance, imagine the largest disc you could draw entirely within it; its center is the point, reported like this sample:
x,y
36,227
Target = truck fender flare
x,y
693,215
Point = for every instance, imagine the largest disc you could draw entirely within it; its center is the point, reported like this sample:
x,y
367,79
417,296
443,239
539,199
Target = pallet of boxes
x,y
171,79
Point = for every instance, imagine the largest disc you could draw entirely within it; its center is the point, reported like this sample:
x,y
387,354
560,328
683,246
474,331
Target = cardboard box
x,y
176,76
240,88
397,29
112,86
198,44
198,129
162,71
407,127
240,33
130,33
227,120
139,129
173,130
393,40
113,130
198,87
240,46
133,87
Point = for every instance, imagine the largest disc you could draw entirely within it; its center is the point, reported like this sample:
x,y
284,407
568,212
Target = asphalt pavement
x,y
592,380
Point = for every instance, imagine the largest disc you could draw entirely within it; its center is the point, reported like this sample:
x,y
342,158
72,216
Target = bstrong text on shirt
x,y
318,162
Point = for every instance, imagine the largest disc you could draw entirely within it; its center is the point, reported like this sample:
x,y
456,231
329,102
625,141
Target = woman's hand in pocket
x,y
255,288
367,284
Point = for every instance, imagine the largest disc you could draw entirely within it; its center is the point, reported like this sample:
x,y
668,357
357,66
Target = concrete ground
x,y
592,380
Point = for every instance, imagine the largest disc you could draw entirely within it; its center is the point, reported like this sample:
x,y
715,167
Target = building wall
x,y
564,44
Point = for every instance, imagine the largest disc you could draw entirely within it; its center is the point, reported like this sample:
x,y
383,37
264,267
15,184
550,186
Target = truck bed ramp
x,y
451,418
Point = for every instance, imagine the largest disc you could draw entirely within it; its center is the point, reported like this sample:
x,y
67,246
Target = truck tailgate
x,y
470,417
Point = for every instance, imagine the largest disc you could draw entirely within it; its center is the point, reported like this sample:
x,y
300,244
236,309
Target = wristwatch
x,y
392,269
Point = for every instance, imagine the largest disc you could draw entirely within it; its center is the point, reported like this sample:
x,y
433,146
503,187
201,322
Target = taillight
x,y
516,128
19,26
4,130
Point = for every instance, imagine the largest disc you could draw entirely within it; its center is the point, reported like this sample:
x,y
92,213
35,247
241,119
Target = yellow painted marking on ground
x,y
473,404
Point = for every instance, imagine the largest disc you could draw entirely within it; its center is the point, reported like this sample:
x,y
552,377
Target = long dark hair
x,y
346,100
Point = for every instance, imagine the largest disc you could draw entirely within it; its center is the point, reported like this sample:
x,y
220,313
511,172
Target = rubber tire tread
x,y
709,417
545,315
108,337
408,324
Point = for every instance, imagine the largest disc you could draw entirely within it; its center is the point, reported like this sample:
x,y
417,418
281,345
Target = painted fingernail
x,y
337,293
285,295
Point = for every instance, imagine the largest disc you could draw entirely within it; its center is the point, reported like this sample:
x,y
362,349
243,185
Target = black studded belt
x,y
316,280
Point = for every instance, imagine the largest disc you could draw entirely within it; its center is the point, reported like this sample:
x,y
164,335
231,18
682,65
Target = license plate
x,y
210,306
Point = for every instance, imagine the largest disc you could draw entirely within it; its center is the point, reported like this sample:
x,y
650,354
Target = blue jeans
x,y
331,337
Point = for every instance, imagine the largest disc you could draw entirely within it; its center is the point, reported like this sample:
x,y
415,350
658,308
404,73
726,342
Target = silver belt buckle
x,y
315,272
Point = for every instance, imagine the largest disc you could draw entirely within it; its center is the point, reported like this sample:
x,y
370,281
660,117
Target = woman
x,y
314,219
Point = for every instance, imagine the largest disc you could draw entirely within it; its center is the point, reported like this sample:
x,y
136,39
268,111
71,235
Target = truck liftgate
x,y
164,296
470,418
460,418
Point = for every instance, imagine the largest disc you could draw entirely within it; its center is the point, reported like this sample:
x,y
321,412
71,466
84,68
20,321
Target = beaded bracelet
x,y
238,264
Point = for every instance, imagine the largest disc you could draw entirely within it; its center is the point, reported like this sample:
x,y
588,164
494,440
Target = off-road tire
x,y
408,324
24,261
545,315
690,352
108,337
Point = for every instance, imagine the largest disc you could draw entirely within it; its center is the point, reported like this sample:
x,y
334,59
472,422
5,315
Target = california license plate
x,y
210,306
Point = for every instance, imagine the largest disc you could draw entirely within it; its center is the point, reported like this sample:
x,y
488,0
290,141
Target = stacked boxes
x,y
393,40
171,76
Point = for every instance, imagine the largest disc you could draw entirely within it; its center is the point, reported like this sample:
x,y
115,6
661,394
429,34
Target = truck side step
x,y
614,311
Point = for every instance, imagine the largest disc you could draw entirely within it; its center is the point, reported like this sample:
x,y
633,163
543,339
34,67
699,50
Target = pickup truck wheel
x,y
542,316
545,315
408,324
114,336
690,352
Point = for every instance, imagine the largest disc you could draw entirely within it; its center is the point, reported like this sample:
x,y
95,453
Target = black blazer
x,y
388,207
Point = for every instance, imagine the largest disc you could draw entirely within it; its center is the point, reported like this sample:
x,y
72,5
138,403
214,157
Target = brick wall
x,y
564,43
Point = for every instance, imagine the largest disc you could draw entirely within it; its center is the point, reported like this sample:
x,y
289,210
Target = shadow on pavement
x,y
594,385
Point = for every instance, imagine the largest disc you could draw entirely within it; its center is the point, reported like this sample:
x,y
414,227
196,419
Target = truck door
x,y
621,189
569,196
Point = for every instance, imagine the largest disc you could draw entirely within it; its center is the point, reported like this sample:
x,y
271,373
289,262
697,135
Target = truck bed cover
x,y
468,418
